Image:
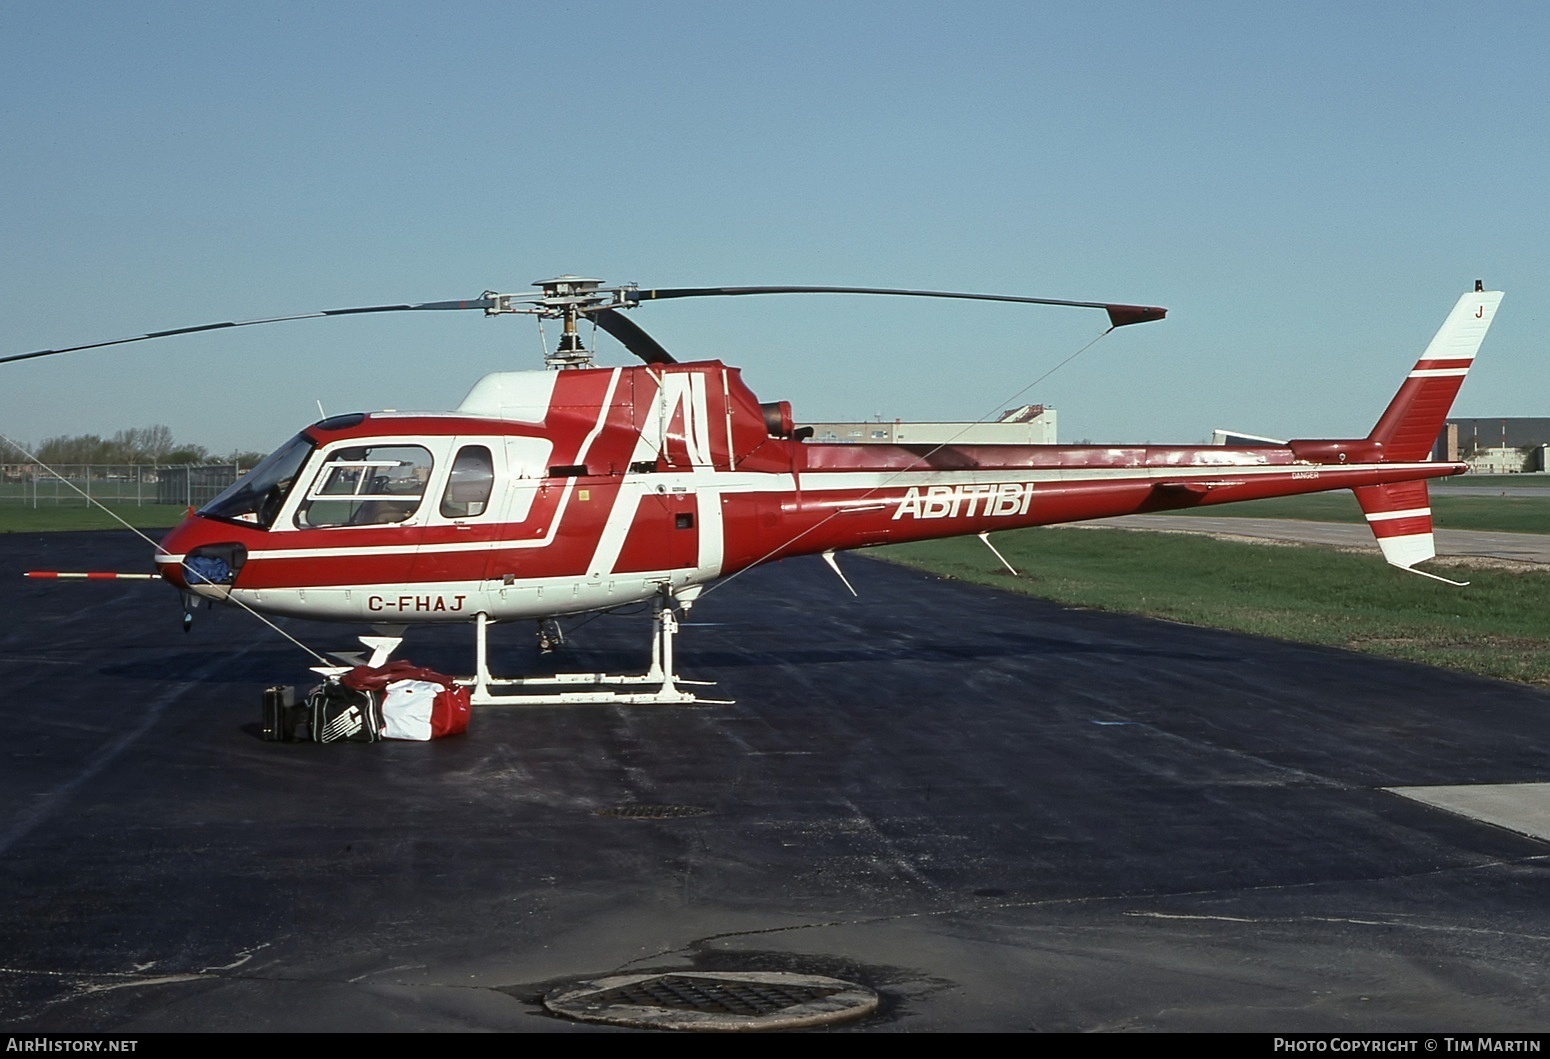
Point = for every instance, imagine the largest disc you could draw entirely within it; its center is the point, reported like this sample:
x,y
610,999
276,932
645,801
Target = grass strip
x,y
1537,480
1498,626
1502,514
51,518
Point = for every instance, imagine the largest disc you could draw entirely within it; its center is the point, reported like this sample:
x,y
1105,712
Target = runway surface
x,y
1001,813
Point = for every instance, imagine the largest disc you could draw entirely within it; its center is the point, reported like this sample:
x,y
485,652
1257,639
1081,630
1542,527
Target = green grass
x,y
1508,514
48,518
1531,481
1499,626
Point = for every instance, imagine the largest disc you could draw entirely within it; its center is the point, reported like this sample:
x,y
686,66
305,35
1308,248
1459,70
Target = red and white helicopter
x,y
577,488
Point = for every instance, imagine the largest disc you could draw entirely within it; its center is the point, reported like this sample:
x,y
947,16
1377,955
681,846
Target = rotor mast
x,y
566,298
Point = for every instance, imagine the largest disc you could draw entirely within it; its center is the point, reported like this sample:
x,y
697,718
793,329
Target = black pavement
x,y
1001,813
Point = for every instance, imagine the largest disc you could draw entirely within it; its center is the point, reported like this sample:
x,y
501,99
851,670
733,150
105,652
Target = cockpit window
x,y
469,484
256,496
367,485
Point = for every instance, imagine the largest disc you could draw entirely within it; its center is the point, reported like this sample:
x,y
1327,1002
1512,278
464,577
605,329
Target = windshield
x,y
256,496
367,485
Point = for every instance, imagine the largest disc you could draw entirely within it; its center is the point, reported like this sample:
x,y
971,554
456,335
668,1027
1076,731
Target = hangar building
x,y
1496,446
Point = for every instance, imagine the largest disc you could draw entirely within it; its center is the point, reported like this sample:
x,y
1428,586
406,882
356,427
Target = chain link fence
x,y
139,485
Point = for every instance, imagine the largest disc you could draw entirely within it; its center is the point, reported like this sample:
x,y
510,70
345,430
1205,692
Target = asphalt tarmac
x,y
1000,813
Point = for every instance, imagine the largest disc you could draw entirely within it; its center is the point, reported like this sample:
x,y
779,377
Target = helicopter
x,y
577,488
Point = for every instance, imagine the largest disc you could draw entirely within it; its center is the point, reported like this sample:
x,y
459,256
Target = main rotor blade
x,y
1119,315
473,303
632,337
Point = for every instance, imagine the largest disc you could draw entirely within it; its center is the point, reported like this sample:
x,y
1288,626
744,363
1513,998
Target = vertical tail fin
x,y
1400,516
1400,513
1408,428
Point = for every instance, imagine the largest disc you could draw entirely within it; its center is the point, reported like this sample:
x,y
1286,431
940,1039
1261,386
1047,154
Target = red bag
x,y
405,688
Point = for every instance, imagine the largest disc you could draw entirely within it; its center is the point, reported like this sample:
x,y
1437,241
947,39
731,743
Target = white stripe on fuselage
x,y
710,485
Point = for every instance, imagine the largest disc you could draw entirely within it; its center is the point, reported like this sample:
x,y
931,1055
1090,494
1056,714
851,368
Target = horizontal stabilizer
x,y
1239,440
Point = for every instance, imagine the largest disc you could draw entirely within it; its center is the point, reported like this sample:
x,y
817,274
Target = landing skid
x,y
666,686
658,685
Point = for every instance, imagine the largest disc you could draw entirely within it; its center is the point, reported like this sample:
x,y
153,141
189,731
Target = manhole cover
x,y
722,1000
653,812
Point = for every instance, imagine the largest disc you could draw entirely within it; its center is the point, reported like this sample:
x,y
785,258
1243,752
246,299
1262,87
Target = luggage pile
x,y
397,701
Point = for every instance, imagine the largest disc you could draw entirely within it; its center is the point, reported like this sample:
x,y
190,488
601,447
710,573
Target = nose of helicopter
x,y
199,555
172,548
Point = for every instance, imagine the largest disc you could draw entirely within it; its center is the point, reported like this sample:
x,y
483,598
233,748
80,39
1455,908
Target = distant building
x,y
1031,424
1495,446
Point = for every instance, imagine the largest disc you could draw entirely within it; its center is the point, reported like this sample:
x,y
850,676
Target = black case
x,y
285,720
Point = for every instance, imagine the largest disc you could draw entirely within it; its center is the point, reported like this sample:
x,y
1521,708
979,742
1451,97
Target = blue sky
x,y
1307,188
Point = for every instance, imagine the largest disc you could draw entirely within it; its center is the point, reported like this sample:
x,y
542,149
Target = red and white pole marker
x,y
98,575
